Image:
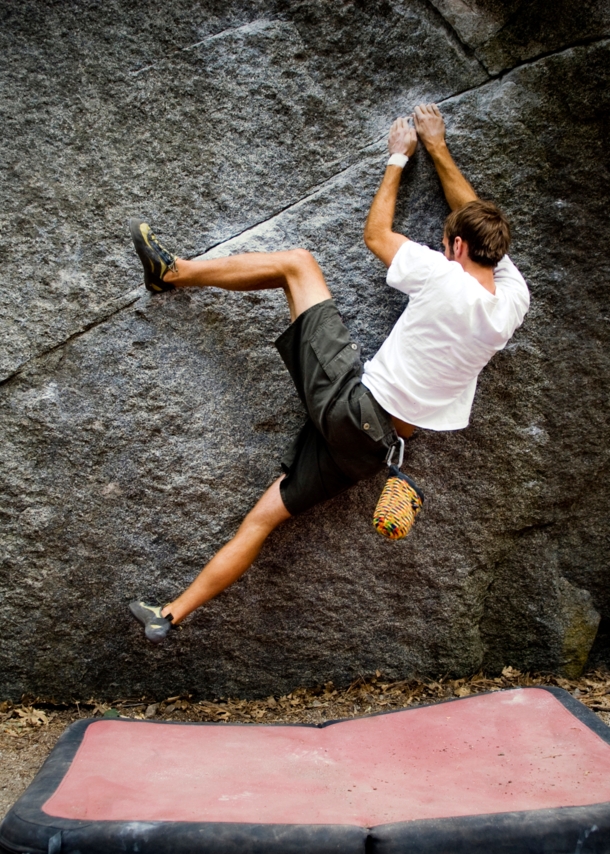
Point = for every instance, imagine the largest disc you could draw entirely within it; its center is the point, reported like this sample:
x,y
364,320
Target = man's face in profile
x,y
448,250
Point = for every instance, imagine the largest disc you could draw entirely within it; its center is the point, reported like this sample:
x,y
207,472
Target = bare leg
x,y
298,274
235,557
296,271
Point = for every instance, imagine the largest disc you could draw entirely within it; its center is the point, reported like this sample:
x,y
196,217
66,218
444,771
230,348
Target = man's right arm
x,y
430,129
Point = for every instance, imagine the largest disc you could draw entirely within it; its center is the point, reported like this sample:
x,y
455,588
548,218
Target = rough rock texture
x,y
503,33
137,431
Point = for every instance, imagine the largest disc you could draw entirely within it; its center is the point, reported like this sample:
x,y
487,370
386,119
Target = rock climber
x,y
464,305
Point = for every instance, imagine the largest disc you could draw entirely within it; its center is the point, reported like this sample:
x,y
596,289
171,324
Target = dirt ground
x,y
29,730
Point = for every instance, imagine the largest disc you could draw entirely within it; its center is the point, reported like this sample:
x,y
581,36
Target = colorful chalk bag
x,y
400,501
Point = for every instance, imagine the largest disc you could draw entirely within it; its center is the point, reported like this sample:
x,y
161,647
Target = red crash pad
x,y
517,750
533,751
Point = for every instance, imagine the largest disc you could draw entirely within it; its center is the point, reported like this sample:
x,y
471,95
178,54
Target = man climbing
x,y
464,305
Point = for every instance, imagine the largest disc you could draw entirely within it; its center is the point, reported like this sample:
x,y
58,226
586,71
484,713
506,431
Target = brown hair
x,y
483,227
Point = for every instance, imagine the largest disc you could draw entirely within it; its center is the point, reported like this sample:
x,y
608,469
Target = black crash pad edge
x,y
107,837
27,829
564,830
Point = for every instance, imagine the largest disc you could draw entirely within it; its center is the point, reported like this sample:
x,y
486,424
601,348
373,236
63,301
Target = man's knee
x,y
305,284
270,510
301,261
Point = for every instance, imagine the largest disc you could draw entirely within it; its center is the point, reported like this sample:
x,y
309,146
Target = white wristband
x,y
398,160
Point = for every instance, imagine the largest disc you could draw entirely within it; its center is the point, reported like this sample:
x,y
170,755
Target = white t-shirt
x,y
425,373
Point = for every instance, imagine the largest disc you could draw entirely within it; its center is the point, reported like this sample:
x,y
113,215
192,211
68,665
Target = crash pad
x,y
499,771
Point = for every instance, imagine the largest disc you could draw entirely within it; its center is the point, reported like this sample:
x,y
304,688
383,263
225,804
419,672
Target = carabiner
x,y
401,453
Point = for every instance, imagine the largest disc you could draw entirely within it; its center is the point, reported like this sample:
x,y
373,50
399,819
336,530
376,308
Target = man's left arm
x,y
378,234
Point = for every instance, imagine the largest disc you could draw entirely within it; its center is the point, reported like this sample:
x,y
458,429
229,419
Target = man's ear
x,y
460,249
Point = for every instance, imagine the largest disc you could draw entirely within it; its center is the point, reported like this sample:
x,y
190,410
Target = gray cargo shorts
x,y
348,434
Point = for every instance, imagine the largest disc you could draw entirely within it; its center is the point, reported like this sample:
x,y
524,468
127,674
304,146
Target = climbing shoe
x,y
155,259
156,627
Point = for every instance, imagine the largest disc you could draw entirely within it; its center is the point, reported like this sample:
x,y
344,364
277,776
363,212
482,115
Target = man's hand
x,y
429,125
430,128
378,234
402,138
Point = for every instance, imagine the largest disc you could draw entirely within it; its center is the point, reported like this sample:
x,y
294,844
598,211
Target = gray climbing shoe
x,y
155,258
156,627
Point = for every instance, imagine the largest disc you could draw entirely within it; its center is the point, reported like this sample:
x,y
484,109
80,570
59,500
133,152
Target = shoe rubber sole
x,y
155,259
156,627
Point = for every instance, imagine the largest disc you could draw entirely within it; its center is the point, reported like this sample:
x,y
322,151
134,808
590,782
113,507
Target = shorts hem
x,y
298,321
291,510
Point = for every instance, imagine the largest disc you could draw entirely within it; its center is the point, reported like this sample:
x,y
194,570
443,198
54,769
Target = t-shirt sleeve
x,y
412,266
508,279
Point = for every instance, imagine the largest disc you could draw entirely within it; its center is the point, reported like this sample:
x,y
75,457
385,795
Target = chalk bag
x,y
400,501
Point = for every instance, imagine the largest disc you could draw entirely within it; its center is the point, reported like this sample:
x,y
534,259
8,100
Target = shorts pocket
x,y
369,420
335,351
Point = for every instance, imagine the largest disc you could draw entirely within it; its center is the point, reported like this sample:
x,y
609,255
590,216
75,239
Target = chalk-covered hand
x,y
402,138
429,125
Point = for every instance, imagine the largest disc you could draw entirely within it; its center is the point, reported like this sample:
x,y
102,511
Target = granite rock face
x,y
137,431
505,33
